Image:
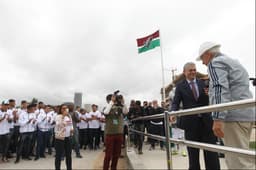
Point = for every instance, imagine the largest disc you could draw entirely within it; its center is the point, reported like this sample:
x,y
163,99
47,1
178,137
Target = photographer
x,y
113,129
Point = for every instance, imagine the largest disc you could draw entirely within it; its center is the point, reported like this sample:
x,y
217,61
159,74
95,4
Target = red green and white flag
x,y
149,42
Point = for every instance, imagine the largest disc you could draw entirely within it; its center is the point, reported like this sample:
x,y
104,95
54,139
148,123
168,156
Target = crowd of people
x,y
33,128
28,130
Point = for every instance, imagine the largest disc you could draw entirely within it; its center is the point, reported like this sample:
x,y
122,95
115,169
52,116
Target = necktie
x,y
193,88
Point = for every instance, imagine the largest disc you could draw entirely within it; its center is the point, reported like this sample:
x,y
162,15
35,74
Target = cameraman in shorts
x,y
114,112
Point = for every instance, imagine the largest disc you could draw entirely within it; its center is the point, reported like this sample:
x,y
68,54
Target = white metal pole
x,y
162,63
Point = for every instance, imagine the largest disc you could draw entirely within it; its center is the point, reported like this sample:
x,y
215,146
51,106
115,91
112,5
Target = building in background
x,y
78,99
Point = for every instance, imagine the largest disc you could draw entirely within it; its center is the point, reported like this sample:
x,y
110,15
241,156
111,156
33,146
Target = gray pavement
x,y
156,159
87,162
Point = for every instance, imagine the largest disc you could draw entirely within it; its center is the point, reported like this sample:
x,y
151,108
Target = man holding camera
x,y
113,129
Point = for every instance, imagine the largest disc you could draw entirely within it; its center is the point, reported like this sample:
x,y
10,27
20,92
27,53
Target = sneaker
x,y
184,154
174,152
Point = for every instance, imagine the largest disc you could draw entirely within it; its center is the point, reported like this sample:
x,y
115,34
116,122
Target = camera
x,y
253,81
119,98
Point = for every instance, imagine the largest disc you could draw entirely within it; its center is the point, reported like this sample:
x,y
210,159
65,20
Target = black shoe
x,y
28,158
79,156
42,156
36,158
17,161
5,159
9,155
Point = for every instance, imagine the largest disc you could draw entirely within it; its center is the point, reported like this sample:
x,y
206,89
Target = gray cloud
x,y
51,49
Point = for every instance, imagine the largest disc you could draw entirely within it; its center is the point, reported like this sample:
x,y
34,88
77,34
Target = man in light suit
x,y
192,92
229,81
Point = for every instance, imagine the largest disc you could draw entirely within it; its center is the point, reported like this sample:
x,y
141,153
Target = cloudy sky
x,y
50,49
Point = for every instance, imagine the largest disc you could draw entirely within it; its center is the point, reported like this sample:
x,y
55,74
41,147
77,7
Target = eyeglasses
x,y
64,107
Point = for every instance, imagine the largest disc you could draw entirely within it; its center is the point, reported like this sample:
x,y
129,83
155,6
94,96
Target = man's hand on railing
x,y
172,119
218,128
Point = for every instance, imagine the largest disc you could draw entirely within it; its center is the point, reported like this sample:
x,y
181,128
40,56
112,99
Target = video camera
x,y
119,98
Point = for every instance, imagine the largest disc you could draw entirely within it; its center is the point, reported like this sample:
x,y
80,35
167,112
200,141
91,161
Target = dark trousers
x,y
41,143
75,142
102,135
16,135
113,145
33,142
94,138
11,147
83,137
202,133
4,143
156,130
49,140
24,144
139,137
63,146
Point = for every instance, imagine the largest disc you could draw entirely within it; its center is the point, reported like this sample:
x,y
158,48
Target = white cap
x,y
205,47
5,102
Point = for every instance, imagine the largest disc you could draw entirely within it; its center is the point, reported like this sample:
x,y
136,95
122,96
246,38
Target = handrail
x,y
199,110
205,109
206,146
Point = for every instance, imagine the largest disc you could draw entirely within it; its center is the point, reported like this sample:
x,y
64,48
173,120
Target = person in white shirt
x,y
27,122
4,130
49,124
23,108
102,126
42,124
12,111
83,129
94,125
63,137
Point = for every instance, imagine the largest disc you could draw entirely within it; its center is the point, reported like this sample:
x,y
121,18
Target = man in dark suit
x,y
192,92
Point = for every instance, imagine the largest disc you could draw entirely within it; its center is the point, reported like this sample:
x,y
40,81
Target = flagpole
x,y
162,63
166,116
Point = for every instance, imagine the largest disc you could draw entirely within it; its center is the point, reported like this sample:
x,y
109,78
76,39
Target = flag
x,y
149,42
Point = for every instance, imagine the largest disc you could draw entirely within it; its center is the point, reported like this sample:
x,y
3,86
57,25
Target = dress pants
x,y
61,147
4,142
113,145
24,144
202,133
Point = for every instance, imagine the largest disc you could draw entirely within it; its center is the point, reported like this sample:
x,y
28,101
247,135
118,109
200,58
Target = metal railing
x,y
200,110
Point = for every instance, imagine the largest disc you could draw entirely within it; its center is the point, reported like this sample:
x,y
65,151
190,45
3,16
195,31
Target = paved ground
x,y
90,160
156,159
122,162
86,162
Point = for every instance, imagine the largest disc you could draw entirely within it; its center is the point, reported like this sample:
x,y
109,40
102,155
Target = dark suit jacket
x,y
184,95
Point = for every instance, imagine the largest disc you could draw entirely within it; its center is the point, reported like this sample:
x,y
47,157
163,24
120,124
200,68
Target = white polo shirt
x,y
83,124
94,124
23,122
4,125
